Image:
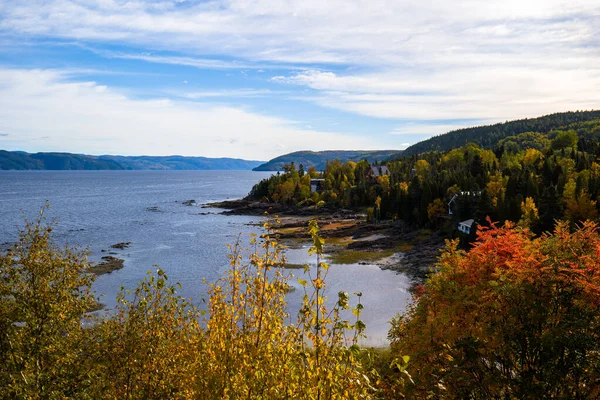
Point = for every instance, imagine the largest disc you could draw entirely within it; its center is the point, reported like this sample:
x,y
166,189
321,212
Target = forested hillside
x,y
533,178
488,136
318,159
10,160
17,160
182,163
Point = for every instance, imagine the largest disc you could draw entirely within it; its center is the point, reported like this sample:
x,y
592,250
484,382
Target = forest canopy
x,y
557,173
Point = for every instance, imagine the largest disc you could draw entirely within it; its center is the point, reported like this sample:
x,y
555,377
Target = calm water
x,y
95,209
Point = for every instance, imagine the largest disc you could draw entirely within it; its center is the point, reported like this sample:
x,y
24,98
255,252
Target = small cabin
x,y
465,226
316,185
378,170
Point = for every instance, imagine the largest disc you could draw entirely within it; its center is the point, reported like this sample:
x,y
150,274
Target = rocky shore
x,y
110,263
349,238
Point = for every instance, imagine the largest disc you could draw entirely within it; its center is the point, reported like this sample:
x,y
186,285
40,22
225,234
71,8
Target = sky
x,y
255,79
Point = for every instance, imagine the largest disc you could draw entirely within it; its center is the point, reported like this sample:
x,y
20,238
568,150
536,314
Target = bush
x,y
515,318
157,345
44,292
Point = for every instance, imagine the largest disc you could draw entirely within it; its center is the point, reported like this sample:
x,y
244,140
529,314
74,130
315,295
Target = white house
x,y
465,226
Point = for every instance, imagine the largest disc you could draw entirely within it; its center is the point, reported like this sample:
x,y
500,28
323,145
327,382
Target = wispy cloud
x,y
239,93
493,94
401,60
202,63
363,32
40,106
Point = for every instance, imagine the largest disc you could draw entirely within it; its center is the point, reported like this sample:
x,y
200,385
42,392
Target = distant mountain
x,y
53,161
182,163
489,136
17,160
318,159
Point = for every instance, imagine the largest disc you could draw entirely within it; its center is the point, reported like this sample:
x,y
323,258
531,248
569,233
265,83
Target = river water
x,y
95,209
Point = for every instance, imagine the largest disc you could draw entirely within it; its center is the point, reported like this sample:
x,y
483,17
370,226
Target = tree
x,y
44,293
565,139
529,213
550,208
434,209
581,209
515,318
422,168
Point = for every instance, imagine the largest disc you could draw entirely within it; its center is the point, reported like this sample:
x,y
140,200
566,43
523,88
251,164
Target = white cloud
x,y
38,105
412,128
488,94
488,60
363,32
240,93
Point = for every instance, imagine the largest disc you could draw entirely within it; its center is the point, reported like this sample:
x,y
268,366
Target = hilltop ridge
x,y
318,159
18,160
487,136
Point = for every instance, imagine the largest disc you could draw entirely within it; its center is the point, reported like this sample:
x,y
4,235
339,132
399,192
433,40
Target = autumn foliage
x,y
239,343
515,318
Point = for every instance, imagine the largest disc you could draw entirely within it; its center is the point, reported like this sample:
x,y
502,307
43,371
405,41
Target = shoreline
x,y
349,239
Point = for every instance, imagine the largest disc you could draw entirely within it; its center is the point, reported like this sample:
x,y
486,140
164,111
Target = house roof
x,y
468,222
379,170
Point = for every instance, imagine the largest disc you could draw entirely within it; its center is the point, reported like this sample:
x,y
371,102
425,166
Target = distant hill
x,y
318,159
12,160
182,163
489,136
17,160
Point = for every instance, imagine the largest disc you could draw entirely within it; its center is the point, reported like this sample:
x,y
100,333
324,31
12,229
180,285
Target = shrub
x,y
515,318
44,292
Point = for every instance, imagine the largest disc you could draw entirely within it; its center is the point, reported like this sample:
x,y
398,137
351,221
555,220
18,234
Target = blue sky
x,y
258,78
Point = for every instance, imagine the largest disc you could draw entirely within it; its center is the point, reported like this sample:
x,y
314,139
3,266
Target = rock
x,y
108,265
121,246
189,203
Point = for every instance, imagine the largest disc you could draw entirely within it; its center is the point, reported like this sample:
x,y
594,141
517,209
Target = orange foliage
x,y
516,317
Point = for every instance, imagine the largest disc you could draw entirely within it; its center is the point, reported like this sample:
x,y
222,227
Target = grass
x,y
292,266
293,230
355,256
338,241
404,247
423,234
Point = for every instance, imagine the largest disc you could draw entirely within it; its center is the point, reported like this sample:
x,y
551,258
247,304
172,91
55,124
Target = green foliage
x,y
44,293
489,136
15,160
565,139
488,183
53,161
319,159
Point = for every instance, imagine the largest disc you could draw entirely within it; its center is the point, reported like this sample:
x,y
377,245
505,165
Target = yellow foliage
x,y
422,168
529,213
44,291
403,187
435,208
532,156
496,187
